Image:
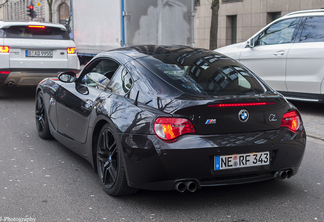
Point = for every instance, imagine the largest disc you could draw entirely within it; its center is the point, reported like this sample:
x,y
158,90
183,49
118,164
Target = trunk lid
x,y
38,53
236,115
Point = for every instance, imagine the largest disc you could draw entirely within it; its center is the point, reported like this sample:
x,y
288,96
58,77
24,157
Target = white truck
x,y
100,25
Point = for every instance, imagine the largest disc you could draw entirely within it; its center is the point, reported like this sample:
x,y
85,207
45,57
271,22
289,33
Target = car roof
x,y
6,24
296,14
312,12
139,51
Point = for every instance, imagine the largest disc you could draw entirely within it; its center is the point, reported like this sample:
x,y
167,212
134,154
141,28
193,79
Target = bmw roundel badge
x,y
243,115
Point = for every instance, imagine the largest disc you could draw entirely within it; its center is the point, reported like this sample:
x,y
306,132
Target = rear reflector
x,y
36,26
241,104
5,72
170,128
4,49
71,50
291,120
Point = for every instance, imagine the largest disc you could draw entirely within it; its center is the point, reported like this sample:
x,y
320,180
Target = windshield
x,y
206,73
35,33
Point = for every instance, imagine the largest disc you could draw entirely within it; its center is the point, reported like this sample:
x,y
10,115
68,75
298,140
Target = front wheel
x,y
42,125
110,165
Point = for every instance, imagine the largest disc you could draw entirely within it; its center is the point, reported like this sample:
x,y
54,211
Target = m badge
x,y
210,121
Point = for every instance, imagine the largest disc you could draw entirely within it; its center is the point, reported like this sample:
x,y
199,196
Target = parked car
x,y
287,54
31,51
171,118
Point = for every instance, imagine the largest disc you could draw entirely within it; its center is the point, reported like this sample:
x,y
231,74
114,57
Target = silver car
x,y
287,54
31,51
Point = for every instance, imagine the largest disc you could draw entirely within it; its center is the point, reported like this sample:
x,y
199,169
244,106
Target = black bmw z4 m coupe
x,y
171,118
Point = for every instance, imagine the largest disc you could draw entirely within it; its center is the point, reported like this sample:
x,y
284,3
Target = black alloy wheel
x,y
41,118
110,165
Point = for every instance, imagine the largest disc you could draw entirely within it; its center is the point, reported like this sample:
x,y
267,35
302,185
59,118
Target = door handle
x,y
279,53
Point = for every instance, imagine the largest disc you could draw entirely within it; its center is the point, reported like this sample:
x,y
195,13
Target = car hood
x,y
233,50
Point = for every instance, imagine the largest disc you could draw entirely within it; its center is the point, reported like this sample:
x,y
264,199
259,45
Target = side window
x,y
1,33
313,30
100,73
278,33
121,82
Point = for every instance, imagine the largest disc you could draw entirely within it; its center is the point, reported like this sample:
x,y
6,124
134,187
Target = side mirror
x,y
250,43
67,77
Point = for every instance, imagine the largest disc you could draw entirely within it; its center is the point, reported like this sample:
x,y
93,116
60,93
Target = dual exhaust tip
x,y
284,174
189,185
11,84
192,186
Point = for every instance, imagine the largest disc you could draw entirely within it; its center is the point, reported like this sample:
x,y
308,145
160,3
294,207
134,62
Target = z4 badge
x,y
272,117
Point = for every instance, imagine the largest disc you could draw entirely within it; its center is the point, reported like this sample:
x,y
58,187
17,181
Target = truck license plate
x,y
241,160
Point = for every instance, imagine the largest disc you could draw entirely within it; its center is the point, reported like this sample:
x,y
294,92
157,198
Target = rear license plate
x,y
39,53
241,160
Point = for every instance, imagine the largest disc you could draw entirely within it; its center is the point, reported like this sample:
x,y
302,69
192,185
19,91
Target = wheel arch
x,y
38,89
99,123
95,134
322,87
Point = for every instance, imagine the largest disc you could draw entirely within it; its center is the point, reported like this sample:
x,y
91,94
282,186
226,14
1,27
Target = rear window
x,y
26,32
204,74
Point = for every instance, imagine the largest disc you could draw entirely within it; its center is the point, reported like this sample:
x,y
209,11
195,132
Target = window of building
x,y
231,29
197,2
64,13
271,16
229,1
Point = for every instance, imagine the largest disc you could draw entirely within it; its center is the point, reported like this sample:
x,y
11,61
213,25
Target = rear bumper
x,y
156,165
30,77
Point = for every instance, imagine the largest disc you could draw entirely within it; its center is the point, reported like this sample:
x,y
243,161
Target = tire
x,y
110,165
42,125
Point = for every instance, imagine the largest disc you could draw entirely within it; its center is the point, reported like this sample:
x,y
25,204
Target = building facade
x,y
17,10
238,20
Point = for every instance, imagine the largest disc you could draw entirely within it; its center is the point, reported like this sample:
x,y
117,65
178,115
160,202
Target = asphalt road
x,y
42,180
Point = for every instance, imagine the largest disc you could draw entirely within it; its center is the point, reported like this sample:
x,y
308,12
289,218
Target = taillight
x,y
5,72
170,128
241,104
291,120
4,49
71,50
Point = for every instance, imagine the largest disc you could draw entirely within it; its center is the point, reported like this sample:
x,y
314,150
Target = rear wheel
x,y
110,165
41,118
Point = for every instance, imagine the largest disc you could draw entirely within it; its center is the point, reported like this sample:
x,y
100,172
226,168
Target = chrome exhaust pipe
x,y
282,174
180,186
11,84
191,186
289,173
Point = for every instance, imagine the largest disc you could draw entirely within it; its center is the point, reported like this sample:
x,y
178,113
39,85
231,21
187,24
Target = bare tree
x,y
50,9
214,25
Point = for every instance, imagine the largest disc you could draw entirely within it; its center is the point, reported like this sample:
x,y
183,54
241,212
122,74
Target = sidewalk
x,y
314,126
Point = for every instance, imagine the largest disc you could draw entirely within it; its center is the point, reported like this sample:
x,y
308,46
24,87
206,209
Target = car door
x,y
305,62
75,101
268,58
